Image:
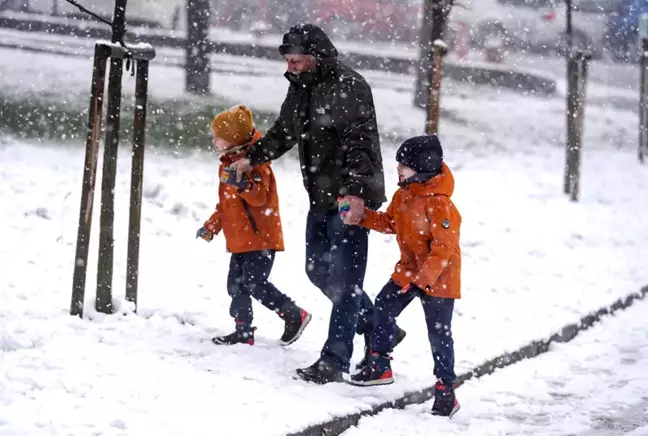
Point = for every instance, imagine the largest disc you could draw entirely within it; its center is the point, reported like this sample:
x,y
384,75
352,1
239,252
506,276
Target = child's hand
x,y
343,207
205,234
351,209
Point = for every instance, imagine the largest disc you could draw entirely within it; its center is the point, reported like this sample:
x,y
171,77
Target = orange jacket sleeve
x,y
445,224
257,192
382,222
214,223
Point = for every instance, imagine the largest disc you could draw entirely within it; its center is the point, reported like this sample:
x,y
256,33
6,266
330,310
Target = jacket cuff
x,y
354,188
256,155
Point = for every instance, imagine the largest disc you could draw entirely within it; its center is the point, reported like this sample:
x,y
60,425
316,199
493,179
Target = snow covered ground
x,y
533,262
596,385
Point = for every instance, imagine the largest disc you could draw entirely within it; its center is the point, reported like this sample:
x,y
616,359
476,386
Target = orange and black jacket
x,y
248,217
426,224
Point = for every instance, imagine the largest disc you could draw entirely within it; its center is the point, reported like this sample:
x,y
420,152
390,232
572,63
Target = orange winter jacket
x,y
426,224
249,218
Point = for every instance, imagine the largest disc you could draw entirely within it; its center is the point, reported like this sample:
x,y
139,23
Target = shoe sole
x,y
301,376
299,332
452,413
380,382
217,342
455,410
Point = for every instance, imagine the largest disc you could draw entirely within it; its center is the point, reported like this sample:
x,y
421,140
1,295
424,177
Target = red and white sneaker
x,y
445,401
376,372
295,326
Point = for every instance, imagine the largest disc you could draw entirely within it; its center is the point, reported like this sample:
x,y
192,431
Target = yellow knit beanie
x,y
235,125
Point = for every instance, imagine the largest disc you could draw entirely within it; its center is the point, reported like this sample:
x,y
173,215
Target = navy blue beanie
x,y
423,154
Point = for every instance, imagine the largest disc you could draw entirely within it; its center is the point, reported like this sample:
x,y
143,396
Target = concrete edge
x,y
338,425
517,80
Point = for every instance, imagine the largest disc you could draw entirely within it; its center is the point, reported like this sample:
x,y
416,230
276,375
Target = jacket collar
x,y
429,184
235,153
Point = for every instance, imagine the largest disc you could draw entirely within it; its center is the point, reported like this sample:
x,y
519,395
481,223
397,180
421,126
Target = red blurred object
x,y
549,15
380,19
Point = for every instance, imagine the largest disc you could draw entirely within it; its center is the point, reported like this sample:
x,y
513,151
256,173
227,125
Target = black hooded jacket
x,y
331,116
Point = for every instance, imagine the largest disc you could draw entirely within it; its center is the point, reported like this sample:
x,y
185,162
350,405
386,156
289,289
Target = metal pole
x,y
106,242
643,103
572,84
89,179
572,102
137,174
569,32
579,121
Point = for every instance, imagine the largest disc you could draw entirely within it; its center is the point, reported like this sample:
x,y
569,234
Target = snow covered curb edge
x,y
340,424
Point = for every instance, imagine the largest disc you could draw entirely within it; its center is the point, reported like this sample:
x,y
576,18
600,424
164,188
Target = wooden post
x,y
89,179
137,174
103,302
434,105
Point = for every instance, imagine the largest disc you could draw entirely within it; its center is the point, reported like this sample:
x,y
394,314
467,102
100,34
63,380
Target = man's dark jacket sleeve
x,y
278,139
354,117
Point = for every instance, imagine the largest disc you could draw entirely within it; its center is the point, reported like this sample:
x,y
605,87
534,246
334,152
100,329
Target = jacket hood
x,y
441,184
308,39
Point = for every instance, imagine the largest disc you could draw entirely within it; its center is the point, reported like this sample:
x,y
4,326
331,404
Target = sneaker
x,y
240,336
321,373
295,326
400,335
376,372
445,402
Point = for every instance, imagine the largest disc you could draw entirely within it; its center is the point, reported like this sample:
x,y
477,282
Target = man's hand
x,y
241,167
352,209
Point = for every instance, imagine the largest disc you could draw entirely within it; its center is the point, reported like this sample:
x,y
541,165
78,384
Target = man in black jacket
x,y
329,113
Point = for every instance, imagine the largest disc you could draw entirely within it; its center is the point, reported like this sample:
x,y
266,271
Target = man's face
x,y
300,63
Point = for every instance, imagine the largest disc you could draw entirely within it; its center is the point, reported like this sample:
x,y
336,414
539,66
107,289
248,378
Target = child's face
x,y
220,143
404,172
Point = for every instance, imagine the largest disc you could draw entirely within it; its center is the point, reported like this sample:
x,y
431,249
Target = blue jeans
x,y
438,317
336,261
247,279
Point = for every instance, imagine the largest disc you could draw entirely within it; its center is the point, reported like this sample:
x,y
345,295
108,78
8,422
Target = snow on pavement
x,y
533,261
596,385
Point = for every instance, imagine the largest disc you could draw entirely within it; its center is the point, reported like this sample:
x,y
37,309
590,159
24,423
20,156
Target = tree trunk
x,y
435,14
197,62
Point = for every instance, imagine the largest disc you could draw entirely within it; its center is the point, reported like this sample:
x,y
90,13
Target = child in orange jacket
x,y
248,215
426,224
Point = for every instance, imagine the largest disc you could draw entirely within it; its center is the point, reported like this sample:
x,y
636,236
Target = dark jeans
x,y
336,261
248,277
438,316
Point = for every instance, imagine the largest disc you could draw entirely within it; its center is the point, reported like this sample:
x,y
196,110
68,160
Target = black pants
x,y
438,317
336,261
247,279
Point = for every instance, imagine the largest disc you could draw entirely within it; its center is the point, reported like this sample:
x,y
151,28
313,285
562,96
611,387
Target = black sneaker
x,y
320,373
445,401
400,335
295,325
238,337
376,372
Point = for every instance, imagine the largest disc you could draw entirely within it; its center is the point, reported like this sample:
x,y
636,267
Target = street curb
x,y
336,426
474,73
